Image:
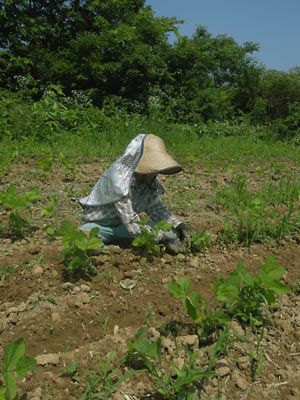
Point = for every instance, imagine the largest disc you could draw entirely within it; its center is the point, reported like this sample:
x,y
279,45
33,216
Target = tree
x,y
112,47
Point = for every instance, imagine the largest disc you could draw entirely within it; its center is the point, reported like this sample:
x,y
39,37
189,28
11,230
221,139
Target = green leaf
x,y
11,387
226,292
94,243
180,288
33,195
25,364
244,276
70,232
179,372
278,287
12,354
270,271
2,392
190,308
195,299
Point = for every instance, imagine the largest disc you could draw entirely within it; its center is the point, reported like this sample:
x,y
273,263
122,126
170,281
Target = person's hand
x,y
173,246
183,233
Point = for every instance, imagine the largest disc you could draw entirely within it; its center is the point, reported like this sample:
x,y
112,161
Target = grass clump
x,y
253,216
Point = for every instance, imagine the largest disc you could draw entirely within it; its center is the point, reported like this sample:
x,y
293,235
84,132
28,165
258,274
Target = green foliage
x,y
7,270
45,162
15,365
191,301
200,240
147,242
17,202
253,217
104,383
116,55
277,102
72,371
77,247
50,208
173,383
207,321
247,296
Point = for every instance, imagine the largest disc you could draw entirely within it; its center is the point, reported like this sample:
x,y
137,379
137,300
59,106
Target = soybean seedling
x,y
199,241
247,296
77,248
16,203
147,241
15,365
206,321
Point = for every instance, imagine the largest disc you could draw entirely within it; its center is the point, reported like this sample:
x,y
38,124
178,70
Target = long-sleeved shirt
x,y
141,198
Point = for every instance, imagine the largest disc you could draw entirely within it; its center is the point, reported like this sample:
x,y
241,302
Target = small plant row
x,y
250,220
240,296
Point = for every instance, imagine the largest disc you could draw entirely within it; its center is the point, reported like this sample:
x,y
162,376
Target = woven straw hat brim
x,y
155,158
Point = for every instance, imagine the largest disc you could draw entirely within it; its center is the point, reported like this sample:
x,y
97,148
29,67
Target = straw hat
x,y
155,158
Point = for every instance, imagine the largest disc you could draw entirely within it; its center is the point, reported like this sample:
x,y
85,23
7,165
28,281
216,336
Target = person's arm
x,y
128,216
158,211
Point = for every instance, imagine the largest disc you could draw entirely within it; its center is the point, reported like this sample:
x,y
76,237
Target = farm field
x,y
250,212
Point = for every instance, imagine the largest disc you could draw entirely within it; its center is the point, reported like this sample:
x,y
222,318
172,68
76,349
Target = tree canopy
x,y
119,52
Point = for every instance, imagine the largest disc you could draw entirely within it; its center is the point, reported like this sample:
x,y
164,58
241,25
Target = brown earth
x,y
63,320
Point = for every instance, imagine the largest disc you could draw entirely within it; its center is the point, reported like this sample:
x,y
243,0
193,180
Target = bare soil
x,y
63,320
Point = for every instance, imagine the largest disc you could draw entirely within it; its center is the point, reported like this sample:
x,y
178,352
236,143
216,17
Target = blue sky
x,y
274,24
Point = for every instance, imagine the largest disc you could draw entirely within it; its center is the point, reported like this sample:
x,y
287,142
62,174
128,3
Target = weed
x,y
67,345
221,347
77,247
50,328
251,218
184,200
71,372
51,299
6,271
104,324
50,208
257,356
173,382
231,197
51,231
15,365
110,275
67,162
32,303
104,383
6,160
296,287
283,192
149,315
45,163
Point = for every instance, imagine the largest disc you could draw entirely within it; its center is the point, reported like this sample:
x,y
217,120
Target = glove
x,y
173,246
183,233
